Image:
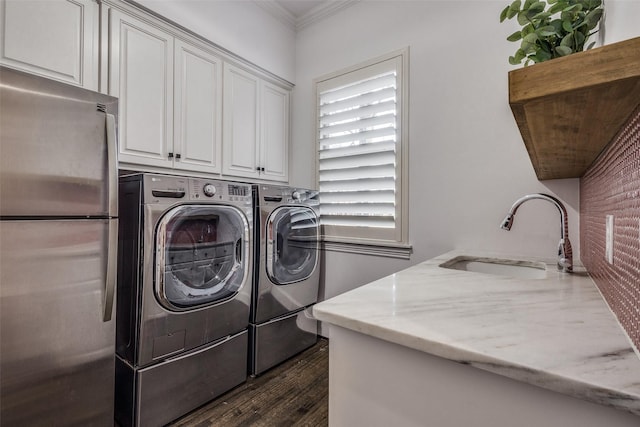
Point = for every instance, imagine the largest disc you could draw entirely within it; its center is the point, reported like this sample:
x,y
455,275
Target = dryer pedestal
x,y
160,393
286,275
279,339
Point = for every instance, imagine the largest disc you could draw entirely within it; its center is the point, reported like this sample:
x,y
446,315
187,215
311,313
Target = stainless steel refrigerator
x,y
58,247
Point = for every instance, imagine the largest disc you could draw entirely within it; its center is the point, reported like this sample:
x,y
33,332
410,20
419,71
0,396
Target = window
x,y
362,151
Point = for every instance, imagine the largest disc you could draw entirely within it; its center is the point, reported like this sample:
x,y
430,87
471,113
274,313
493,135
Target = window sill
x,y
390,250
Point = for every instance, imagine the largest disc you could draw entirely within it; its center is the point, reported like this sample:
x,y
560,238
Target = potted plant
x,y
552,28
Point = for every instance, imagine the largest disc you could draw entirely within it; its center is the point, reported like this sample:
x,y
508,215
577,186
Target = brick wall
x,y
611,186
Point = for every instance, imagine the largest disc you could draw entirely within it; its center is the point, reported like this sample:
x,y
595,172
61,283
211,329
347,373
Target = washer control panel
x,y
167,189
209,190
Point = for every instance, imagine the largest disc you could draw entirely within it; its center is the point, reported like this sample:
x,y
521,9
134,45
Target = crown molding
x,y
322,11
278,12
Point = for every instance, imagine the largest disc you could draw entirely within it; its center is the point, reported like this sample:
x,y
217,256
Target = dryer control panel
x,y
276,195
214,190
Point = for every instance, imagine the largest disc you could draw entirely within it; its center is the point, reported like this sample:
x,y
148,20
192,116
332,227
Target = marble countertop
x,y
557,332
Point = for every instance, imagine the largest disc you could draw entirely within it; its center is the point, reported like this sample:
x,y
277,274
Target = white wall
x,y
468,163
239,26
622,20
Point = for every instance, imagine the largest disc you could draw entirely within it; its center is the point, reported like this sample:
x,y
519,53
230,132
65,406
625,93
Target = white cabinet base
x,y
377,383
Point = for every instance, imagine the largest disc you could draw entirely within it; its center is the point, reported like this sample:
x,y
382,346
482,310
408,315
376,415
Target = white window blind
x,y
359,146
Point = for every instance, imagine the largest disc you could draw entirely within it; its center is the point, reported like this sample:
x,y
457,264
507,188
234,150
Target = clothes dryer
x,y
184,294
286,275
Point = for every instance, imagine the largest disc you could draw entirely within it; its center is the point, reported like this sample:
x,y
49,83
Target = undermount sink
x,y
498,267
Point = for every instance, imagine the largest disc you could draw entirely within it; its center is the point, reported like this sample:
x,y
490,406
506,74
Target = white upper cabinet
x,y
240,136
255,128
141,76
170,97
274,125
198,109
52,38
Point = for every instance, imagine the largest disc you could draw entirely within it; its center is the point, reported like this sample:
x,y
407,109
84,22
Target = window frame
x,y
365,240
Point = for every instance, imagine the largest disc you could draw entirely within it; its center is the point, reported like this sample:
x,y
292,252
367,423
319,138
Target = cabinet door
x,y
141,75
274,132
240,129
198,109
53,38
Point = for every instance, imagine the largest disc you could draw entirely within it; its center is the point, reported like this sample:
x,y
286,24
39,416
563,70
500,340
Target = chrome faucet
x,y
565,253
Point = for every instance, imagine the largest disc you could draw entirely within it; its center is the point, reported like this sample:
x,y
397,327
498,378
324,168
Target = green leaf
x,y
569,16
557,25
523,19
546,47
590,45
528,3
503,14
580,26
567,41
561,5
593,18
542,16
567,26
573,8
532,12
537,7
541,56
513,61
527,29
583,3
528,46
547,31
556,8
515,36
564,50
579,39
511,13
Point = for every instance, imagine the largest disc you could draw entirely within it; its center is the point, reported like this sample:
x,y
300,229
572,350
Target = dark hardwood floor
x,y
294,393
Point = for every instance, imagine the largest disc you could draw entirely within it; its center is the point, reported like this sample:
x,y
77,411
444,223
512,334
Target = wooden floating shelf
x,y
568,109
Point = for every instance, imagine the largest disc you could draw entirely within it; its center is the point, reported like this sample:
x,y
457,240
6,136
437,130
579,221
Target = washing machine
x,y
287,274
184,294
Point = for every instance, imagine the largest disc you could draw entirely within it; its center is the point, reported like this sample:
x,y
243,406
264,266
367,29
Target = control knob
x,y
295,195
209,190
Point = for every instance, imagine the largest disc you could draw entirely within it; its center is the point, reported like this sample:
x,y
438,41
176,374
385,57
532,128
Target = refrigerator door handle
x,y
112,159
110,277
112,248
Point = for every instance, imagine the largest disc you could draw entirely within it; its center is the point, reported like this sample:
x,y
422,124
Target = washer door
x,y
201,255
292,244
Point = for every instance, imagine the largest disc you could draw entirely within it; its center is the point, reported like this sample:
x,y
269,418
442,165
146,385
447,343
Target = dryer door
x,y
292,244
201,255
